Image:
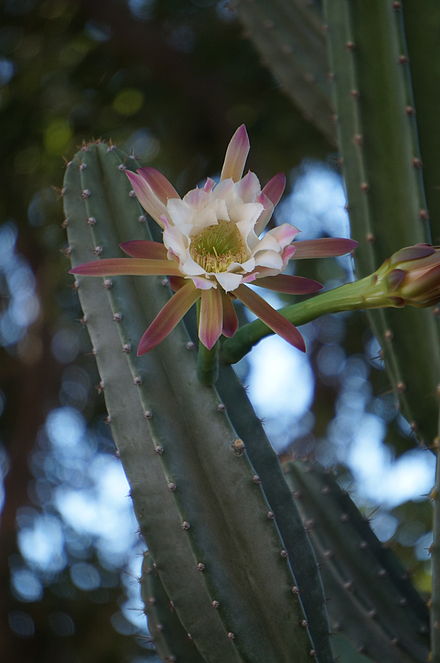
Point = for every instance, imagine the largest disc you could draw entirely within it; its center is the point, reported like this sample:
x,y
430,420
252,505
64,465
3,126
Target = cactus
x,y
371,600
222,546
382,161
234,576
382,167
289,37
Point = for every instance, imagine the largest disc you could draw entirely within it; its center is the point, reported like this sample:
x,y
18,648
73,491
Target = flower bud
x,y
413,275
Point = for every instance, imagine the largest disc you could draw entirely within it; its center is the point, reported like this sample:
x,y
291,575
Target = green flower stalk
x,y
410,277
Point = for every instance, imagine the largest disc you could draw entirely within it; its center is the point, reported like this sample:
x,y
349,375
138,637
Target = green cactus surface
x,y
291,42
371,600
382,164
219,554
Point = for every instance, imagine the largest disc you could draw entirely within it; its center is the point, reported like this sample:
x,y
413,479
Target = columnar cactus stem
x,y
371,599
220,556
289,38
382,167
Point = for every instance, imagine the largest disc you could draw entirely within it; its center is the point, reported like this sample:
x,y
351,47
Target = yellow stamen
x,y
216,247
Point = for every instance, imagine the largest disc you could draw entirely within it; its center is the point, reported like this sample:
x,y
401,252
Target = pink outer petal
x,y
140,248
147,197
230,320
168,317
274,189
176,282
236,155
159,183
211,317
128,267
292,285
209,185
265,215
288,252
284,234
324,248
270,317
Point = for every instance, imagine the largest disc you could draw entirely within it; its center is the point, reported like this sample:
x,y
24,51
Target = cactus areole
x,y
212,247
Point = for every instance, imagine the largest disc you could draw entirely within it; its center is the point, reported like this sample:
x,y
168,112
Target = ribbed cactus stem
x,y
219,554
371,599
382,165
289,38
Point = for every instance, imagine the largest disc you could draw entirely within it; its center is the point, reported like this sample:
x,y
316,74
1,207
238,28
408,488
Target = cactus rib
x,y
171,640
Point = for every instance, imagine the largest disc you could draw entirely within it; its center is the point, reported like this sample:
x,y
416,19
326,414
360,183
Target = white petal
x,y
269,259
228,281
245,212
203,284
221,209
223,188
268,243
249,265
284,234
175,241
203,218
241,267
190,267
248,188
196,198
179,211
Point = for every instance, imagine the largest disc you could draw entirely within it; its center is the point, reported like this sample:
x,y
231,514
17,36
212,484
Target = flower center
x,y
216,247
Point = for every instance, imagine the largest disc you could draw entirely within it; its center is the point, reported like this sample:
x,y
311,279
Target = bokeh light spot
x,y
128,101
57,136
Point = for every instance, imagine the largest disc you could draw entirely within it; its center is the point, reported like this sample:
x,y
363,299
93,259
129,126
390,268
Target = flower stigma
x,y
216,247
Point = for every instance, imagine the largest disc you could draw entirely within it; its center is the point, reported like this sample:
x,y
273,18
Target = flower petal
x,y
274,189
230,320
176,282
147,197
180,213
284,233
201,283
248,188
161,186
236,155
279,324
209,184
265,215
292,285
168,317
211,317
324,247
142,248
128,267
270,259
228,280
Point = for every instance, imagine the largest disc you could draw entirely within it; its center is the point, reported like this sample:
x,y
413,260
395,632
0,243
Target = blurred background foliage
x,y
171,81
